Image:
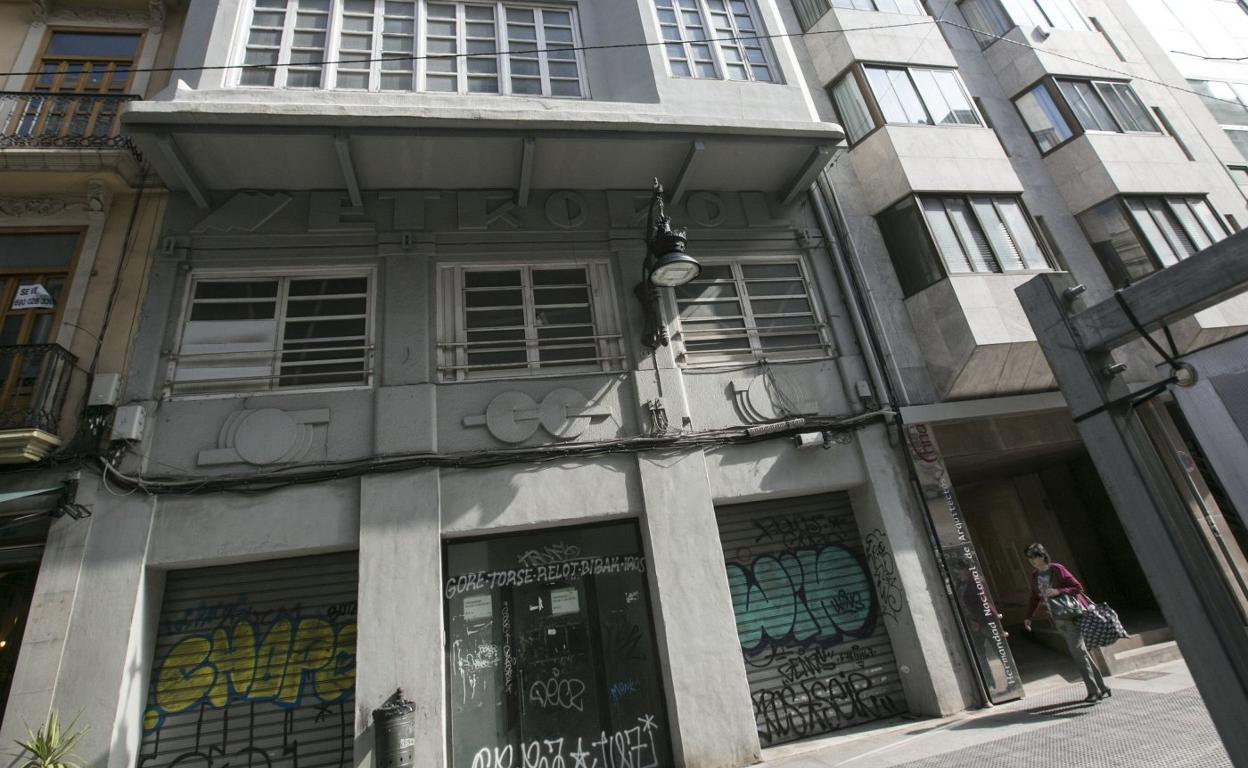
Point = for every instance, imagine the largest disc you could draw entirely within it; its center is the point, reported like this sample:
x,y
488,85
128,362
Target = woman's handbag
x,y
1100,626
1065,607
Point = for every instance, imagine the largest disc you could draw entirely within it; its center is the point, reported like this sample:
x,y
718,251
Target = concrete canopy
x,y
200,147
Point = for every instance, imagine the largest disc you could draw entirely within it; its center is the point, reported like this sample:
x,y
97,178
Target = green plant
x,y
50,745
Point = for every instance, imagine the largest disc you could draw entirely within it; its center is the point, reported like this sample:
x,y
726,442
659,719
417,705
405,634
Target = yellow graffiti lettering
x,y
311,650
271,662
235,661
186,676
339,676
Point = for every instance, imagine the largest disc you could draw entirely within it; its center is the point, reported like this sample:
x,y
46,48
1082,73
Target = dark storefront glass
x,y
550,651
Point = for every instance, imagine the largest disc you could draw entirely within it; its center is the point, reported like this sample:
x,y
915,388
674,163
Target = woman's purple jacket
x,y
1060,579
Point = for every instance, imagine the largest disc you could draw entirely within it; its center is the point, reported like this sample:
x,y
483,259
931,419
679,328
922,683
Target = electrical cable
x,y
303,474
527,51
658,43
1056,55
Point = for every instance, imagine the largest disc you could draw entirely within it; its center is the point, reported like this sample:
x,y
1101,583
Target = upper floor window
x,y
929,237
714,39
248,333
872,95
503,321
1136,236
749,309
1227,101
810,11
79,86
409,45
1057,109
993,18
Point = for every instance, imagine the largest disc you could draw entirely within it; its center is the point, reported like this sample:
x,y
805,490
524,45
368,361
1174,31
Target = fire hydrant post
x,y
394,726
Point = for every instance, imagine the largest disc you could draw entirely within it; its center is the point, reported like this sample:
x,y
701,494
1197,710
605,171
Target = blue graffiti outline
x,y
797,592
340,661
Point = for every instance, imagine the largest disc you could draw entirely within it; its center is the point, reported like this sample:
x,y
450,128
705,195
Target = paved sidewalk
x,y
1155,718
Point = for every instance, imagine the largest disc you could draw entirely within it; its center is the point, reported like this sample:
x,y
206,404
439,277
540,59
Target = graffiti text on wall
x,y
807,615
252,684
818,705
626,748
801,597
543,574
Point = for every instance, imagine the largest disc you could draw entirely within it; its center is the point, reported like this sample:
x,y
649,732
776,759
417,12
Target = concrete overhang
x,y
236,141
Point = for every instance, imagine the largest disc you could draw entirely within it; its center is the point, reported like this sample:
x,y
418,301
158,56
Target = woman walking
x,y
1062,594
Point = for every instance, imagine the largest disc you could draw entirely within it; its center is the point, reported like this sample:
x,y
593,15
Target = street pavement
x,y
1155,718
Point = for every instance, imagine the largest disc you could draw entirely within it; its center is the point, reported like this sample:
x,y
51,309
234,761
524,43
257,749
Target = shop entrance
x,y
1030,480
550,651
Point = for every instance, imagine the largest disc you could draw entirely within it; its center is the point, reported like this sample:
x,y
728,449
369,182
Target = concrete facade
x,y
423,457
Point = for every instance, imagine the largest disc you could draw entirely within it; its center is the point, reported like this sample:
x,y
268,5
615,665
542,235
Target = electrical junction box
x,y
105,390
128,423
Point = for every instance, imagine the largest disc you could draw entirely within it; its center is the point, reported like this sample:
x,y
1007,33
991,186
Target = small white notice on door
x,y
32,296
564,601
478,608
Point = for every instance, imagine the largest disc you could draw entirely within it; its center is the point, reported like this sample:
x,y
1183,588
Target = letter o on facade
x,y
566,210
705,208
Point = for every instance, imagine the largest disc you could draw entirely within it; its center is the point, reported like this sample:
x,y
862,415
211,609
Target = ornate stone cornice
x,y
39,10
15,207
152,18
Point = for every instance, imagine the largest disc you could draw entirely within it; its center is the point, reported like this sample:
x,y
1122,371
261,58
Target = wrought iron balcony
x,y
33,380
63,120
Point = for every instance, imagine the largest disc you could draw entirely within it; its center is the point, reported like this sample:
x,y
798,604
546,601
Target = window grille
x,y
501,321
246,334
748,310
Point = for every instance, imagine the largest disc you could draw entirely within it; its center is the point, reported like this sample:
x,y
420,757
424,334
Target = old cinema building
x,y
403,428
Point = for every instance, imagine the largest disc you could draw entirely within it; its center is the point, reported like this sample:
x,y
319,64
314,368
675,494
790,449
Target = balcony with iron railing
x,y
44,131
34,379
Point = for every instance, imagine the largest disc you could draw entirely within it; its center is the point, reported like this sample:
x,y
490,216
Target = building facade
x,y
989,140
80,216
407,410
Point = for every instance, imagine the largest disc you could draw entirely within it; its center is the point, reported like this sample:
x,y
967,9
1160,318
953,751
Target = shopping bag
x,y
1100,626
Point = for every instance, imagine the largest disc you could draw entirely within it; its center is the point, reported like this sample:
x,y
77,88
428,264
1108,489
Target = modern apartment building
x,y
990,140
80,215
430,403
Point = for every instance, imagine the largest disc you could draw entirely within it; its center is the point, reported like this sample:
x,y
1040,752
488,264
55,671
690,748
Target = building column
x,y
921,623
81,656
708,696
401,634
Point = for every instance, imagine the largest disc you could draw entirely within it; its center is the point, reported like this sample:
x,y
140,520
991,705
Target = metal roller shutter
x,y
255,666
817,654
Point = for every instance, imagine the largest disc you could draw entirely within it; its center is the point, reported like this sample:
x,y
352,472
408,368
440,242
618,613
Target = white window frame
x,y
715,42
333,41
451,360
304,273
756,353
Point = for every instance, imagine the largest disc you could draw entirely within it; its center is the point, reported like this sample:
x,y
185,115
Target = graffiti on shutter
x,y
255,665
808,606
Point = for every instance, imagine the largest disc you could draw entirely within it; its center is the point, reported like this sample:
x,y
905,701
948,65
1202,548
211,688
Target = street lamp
x,y
667,265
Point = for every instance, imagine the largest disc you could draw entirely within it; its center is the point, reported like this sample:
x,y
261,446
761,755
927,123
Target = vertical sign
x,y
979,613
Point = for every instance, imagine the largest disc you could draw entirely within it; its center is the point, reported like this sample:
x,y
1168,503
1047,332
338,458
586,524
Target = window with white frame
x,y
248,333
714,39
414,45
990,19
749,309
1136,236
929,237
508,320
